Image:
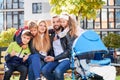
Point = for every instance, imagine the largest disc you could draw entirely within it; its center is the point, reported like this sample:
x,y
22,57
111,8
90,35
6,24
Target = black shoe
x,y
97,77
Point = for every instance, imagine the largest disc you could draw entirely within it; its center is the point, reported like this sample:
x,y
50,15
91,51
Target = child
x,y
32,26
17,56
69,26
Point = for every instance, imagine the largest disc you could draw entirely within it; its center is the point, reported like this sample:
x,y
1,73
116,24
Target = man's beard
x,y
57,29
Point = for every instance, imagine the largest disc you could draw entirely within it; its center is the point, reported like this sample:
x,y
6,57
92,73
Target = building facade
x,y
12,14
108,19
36,10
16,13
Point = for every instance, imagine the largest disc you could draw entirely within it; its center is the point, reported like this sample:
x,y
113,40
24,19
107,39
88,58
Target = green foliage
x,y
85,8
6,37
112,40
118,77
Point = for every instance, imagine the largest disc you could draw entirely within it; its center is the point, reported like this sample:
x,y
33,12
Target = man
x,y
60,50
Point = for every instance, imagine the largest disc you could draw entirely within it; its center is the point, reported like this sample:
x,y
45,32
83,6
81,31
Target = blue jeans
x,y
55,70
35,65
21,68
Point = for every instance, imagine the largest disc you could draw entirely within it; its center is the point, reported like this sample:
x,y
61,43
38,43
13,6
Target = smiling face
x,y
25,39
42,27
33,31
64,22
56,23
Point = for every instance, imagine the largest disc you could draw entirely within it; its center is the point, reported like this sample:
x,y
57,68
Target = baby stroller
x,y
88,48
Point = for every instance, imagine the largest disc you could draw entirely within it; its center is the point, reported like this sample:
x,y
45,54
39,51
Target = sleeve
x,y
10,47
7,57
63,55
9,50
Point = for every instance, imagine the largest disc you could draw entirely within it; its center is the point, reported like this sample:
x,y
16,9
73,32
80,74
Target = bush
x,y
6,37
112,40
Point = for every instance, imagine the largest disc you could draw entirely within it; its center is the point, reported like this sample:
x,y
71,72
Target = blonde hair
x,y
32,24
72,26
42,44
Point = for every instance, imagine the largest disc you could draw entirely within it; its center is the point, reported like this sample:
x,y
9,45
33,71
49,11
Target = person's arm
x,y
9,52
7,57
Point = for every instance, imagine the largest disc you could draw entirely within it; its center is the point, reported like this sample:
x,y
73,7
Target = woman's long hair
x,y
42,43
72,26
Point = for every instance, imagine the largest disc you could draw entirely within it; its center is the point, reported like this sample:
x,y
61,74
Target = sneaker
x,y
38,79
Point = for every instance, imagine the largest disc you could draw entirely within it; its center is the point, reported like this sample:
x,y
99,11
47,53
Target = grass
x,y
118,77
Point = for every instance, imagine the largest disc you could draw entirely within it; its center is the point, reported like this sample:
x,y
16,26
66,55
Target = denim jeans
x,y
55,70
21,68
35,65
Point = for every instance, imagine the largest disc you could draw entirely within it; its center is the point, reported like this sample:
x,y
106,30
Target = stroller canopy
x,y
88,41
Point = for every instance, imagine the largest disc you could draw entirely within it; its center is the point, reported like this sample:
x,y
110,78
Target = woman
x,y
39,47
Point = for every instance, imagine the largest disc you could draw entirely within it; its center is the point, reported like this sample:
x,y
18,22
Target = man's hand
x,y
49,59
24,46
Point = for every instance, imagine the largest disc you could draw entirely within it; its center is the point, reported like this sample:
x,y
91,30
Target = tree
x,y
85,8
6,37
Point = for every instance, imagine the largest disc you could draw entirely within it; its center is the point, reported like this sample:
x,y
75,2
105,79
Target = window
x,y
1,21
21,4
15,19
117,2
15,5
97,25
1,4
15,1
9,19
9,4
117,15
21,19
37,8
104,34
90,24
118,25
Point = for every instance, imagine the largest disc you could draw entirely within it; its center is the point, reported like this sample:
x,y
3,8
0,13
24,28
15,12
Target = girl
x,y
69,26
